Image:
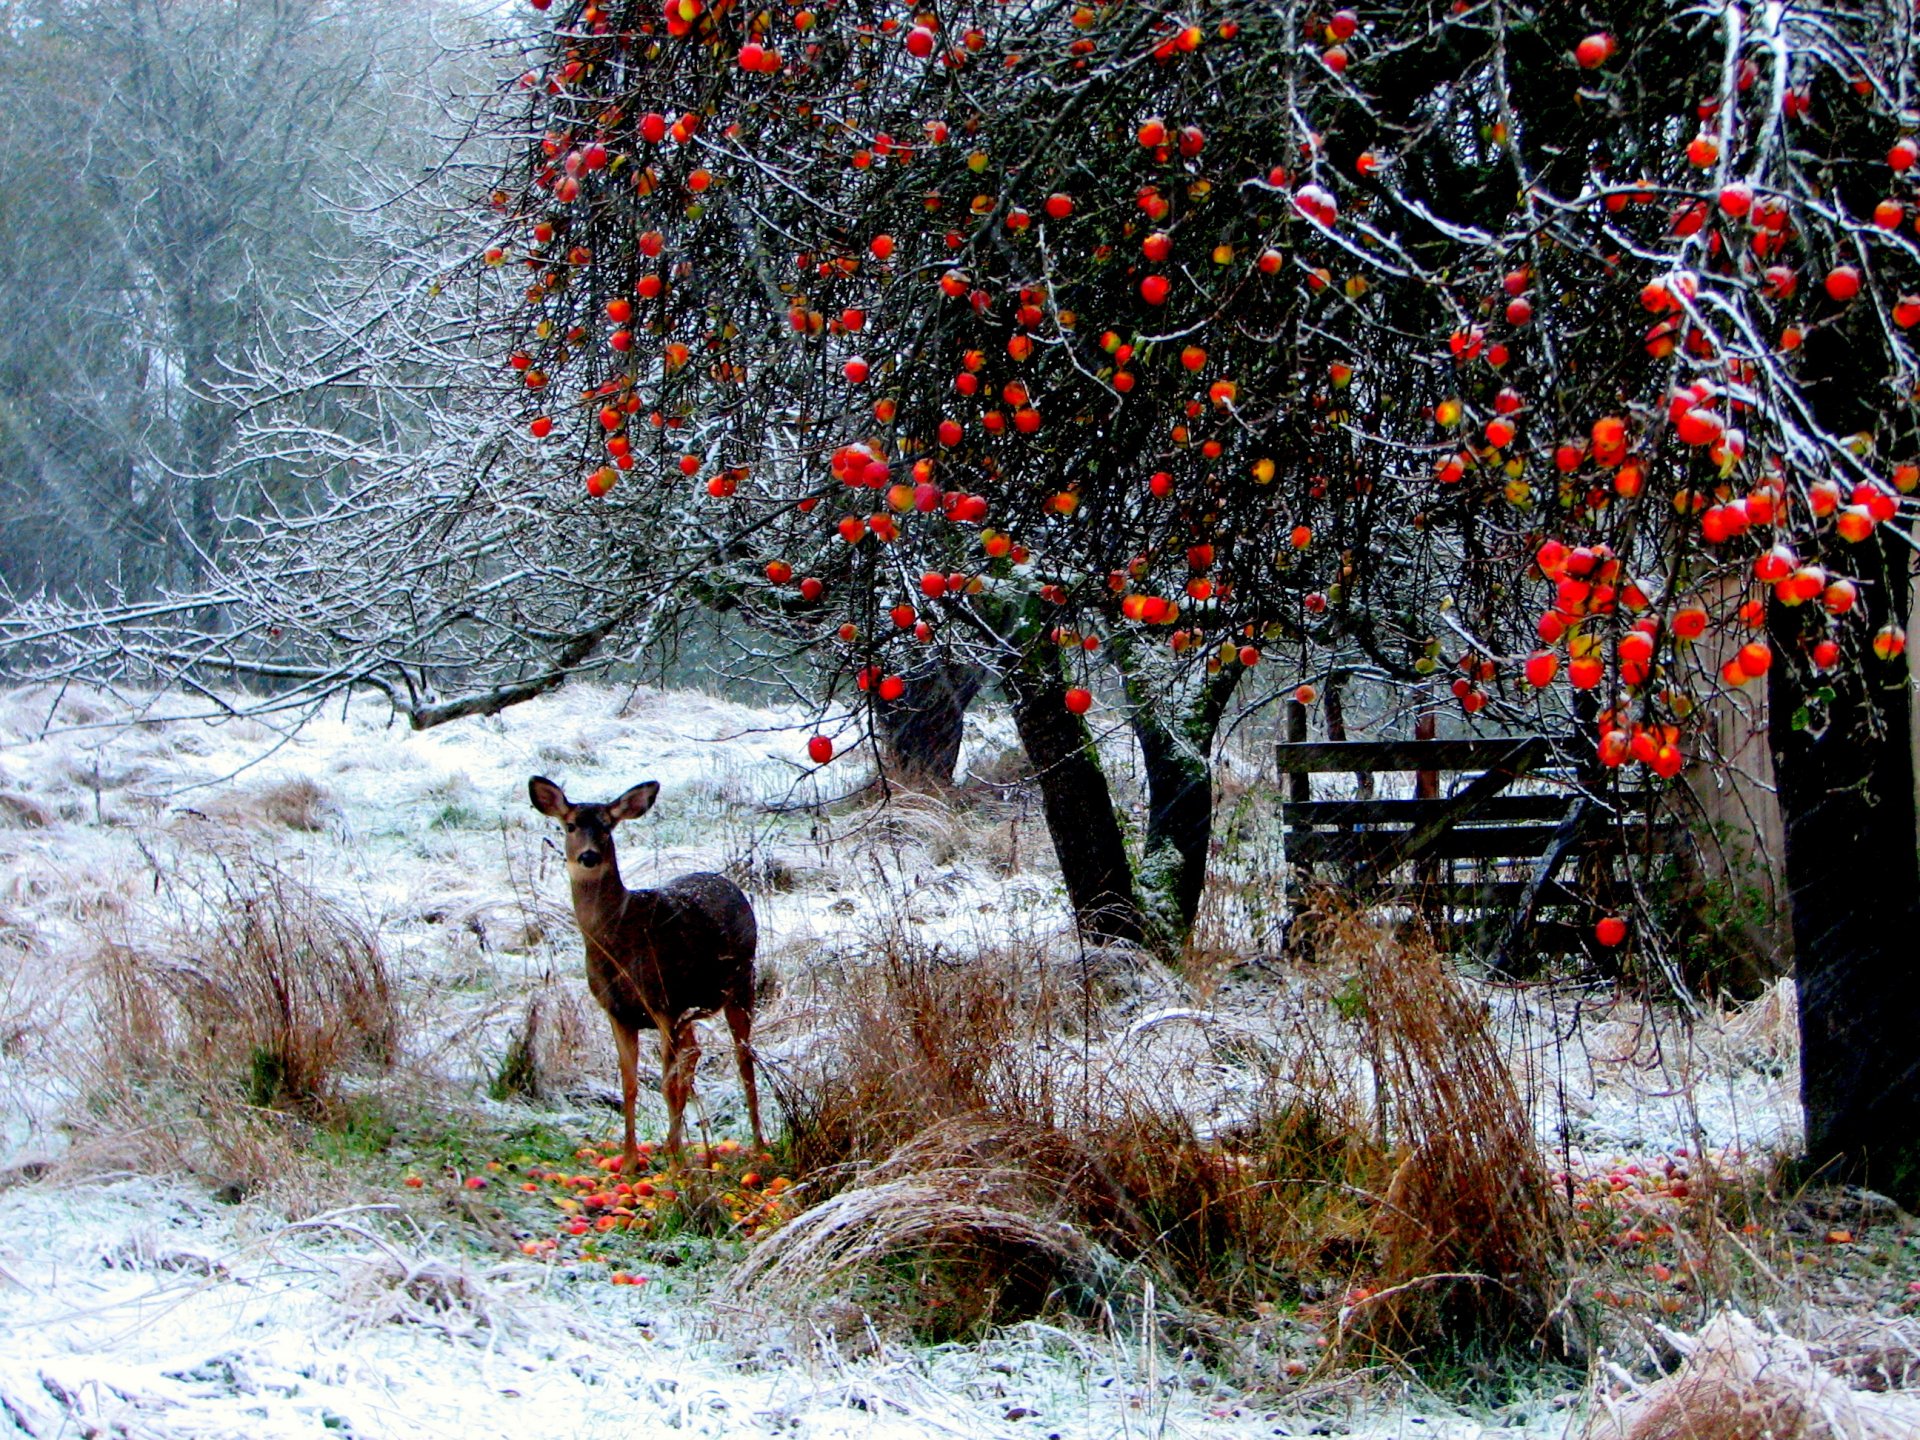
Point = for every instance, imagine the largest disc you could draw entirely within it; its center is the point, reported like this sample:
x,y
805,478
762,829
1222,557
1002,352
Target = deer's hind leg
x,y
740,1022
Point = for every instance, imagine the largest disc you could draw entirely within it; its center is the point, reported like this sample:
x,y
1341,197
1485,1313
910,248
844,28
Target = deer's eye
x,y
569,829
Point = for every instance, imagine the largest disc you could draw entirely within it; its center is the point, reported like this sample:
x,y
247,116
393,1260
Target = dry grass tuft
x,y
930,1114
23,812
989,1146
959,1123
966,1225
551,1050
393,1287
1281,1215
916,1037
1742,1383
232,1007
299,803
1475,1242
905,819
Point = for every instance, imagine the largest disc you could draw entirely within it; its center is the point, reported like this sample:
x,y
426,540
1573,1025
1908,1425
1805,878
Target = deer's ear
x,y
635,803
548,798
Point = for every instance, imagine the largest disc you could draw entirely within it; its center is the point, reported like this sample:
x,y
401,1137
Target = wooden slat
x,y
1427,837
1329,757
1461,842
1483,895
1305,814
1302,814
1465,842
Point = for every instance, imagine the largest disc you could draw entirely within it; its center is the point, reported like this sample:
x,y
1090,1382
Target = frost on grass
x,y
140,1307
1738,1380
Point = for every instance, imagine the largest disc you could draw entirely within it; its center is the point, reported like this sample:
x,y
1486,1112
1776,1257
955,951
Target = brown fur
x,y
657,959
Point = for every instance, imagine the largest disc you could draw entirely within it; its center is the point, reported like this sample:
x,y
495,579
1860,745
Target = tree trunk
x,y
1845,776
1087,835
1337,729
204,426
1176,743
924,726
1844,769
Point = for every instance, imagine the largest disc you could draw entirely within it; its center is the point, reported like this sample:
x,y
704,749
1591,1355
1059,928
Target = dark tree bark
x,y
1176,743
1843,764
1337,729
1845,775
1087,835
924,726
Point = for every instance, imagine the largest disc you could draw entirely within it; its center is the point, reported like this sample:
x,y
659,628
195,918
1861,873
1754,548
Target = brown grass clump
x,y
989,1144
298,803
551,1048
1742,1383
929,1113
916,1037
241,991
971,1222
1474,1240
976,1139
23,812
1280,1215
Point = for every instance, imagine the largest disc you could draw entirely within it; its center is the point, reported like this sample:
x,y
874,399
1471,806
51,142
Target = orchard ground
x,y
442,1251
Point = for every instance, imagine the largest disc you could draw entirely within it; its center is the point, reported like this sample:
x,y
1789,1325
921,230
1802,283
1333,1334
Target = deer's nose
x,y
589,858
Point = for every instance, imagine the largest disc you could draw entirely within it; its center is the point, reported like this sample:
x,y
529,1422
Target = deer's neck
x,y
599,898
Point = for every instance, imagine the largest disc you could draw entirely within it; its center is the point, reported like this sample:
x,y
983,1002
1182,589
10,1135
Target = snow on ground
x,y
1610,1080
137,1307
430,837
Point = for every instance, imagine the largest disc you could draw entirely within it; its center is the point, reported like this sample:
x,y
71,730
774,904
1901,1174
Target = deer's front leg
x,y
627,1041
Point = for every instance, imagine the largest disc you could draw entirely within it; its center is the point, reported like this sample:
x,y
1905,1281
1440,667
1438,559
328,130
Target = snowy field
x,y
141,1306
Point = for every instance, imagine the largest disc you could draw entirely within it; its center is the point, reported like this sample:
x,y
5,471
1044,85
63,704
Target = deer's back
x,y
684,949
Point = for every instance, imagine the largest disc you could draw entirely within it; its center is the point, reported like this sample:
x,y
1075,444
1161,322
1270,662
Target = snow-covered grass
x,y
139,1308
328,1301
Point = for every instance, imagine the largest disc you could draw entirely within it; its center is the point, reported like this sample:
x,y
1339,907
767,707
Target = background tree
x,y
818,367
169,185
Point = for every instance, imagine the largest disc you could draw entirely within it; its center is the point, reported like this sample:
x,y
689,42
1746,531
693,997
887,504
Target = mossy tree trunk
x,y
1088,836
924,726
1176,733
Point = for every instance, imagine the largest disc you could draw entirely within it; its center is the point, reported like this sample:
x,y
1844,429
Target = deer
x,y
657,959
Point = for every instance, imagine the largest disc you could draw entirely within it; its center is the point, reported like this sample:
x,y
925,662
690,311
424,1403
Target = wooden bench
x,y
1408,850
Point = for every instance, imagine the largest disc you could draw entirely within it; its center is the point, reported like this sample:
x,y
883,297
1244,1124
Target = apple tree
x,y
1568,350
971,355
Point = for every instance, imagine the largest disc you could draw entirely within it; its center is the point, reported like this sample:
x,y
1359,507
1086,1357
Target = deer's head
x,y
590,827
